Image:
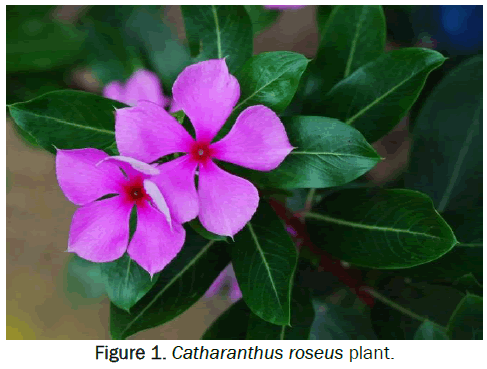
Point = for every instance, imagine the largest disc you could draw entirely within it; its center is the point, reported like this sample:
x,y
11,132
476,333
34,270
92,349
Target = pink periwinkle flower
x,y
207,94
100,227
226,277
142,85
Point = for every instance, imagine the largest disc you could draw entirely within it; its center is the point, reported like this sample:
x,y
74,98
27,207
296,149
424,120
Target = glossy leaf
x,y
466,322
430,302
448,131
351,36
219,31
270,79
180,285
328,153
264,259
261,17
126,282
68,119
430,331
231,325
202,231
377,95
36,42
391,229
302,316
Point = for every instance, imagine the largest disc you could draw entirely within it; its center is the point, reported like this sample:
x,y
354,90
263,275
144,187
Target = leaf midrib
x,y
347,223
169,284
217,31
261,252
89,128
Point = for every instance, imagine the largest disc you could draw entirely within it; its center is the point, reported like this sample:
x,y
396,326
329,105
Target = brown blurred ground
x,y
39,216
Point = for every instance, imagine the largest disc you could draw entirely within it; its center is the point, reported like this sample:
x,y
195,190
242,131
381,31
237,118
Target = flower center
x,y
137,193
201,152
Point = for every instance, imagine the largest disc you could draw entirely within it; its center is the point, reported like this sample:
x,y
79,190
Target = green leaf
x,y
202,231
219,31
180,285
448,132
231,325
84,278
377,95
351,36
261,17
328,153
390,229
302,316
334,322
264,259
165,53
270,79
126,282
430,331
412,304
35,42
466,322
468,283
68,119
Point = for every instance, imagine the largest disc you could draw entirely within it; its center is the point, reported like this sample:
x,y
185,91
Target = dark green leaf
x,y
180,285
391,229
424,301
219,31
377,95
430,331
468,283
68,119
202,231
446,158
466,322
333,322
270,79
126,282
350,37
231,325
39,43
261,17
166,54
328,153
264,259
302,316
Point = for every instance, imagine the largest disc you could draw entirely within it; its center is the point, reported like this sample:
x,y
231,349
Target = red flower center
x,y
201,152
137,193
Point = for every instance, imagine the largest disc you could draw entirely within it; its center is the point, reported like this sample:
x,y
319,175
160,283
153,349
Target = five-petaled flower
x,y
207,94
100,227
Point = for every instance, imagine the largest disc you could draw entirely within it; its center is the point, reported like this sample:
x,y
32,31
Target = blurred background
x,y
52,295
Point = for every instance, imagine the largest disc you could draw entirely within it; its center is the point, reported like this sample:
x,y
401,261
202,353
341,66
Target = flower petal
x,y
257,140
114,90
138,165
81,180
146,132
159,201
100,230
154,243
176,183
144,85
227,202
207,93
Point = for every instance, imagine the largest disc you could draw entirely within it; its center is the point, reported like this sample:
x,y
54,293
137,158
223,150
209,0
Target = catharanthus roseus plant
x,y
204,165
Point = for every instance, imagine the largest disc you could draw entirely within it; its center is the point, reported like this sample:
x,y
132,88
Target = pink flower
x,y
226,277
100,228
207,94
142,85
